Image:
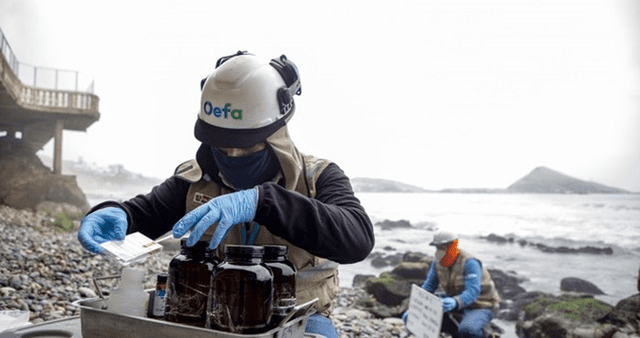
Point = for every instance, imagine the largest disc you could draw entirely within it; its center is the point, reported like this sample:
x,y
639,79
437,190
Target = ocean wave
x,y
544,238
616,207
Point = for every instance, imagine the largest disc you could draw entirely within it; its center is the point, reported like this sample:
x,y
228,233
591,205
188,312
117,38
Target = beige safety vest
x,y
452,281
316,277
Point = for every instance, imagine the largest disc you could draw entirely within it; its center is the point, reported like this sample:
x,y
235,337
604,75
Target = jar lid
x,y
200,245
244,250
273,251
162,277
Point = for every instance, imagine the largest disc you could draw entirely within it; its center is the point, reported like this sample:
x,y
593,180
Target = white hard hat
x,y
443,237
245,100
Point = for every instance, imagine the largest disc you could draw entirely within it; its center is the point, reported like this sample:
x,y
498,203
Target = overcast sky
x,y
439,94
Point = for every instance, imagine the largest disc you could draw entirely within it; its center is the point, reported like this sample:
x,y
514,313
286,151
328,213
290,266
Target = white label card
x,y
425,313
135,247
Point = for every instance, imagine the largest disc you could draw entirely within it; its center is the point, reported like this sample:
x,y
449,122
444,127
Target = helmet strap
x,y
289,73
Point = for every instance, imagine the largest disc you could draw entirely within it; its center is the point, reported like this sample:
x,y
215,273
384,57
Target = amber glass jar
x,y
188,284
284,281
241,293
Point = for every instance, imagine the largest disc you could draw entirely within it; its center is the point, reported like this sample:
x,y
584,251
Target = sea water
x,y
598,220
571,220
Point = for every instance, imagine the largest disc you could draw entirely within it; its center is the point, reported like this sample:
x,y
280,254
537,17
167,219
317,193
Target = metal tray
x,y
97,322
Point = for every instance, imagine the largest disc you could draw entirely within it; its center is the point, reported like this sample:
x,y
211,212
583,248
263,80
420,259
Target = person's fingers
x,y
220,233
189,220
212,217
86,235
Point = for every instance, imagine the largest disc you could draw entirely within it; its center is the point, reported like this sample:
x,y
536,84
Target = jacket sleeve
x,y
334,225
472,278
155,213
431,282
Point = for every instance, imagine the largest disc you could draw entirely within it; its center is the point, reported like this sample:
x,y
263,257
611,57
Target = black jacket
x,y
333,225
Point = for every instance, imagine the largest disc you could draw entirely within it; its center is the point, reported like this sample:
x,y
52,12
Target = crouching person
x,y
470,297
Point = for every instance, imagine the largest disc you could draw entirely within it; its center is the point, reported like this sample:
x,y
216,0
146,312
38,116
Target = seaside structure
x,y
38,103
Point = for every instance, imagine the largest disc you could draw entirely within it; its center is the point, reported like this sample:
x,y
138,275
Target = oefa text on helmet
x,y
209,109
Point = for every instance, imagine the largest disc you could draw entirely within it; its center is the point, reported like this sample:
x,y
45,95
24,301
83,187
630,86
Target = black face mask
x,y
245,172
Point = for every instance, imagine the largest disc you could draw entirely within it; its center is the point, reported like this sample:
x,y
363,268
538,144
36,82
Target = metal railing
x,y
43,87
44,77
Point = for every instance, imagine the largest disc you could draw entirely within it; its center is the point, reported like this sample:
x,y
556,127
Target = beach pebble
x,y
87,293
6,291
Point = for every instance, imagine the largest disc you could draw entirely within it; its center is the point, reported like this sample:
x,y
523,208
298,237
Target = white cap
x,y
443,237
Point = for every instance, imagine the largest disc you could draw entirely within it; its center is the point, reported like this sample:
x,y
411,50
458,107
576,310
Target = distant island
x,y
545,180
541,180
361,184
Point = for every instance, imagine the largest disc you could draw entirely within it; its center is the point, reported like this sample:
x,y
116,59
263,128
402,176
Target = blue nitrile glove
x,y
226,210
101,226
448,304
405,315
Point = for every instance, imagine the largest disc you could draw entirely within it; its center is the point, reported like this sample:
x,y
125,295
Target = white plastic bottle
x,y
129,298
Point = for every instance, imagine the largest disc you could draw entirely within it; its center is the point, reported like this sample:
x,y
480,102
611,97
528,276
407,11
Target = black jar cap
x,y
244,250
162,277
199,246
273,251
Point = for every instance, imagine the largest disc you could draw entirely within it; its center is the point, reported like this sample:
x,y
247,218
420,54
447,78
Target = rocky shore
x,y
43,270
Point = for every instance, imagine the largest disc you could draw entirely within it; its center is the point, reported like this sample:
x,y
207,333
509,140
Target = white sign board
x,y
425,313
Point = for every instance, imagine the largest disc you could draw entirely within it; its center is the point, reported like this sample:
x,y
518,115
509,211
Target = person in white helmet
x,y
249,184
467,285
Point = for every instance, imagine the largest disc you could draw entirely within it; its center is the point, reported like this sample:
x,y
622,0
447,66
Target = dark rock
x,y
522,302
498,239
359,280
573,284
582,250
411,271
493,238
508,314
388,290
388,248
513,309
506,284
26,183
414,257
625,313
563,317
384,311
380,260
544,327
375,255
427,226
394,259
15,282
390,225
